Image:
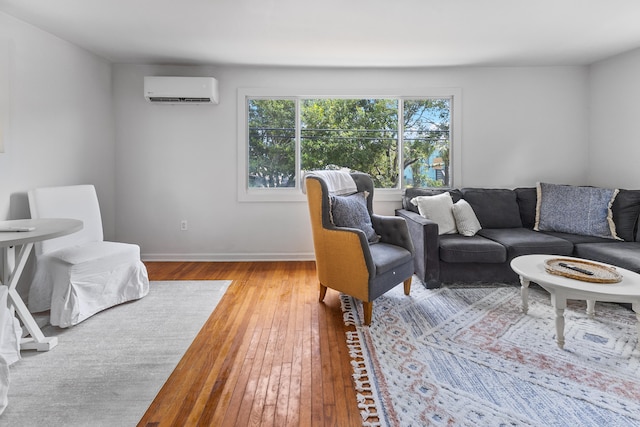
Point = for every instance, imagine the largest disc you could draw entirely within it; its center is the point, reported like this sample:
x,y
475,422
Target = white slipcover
x,y
80,274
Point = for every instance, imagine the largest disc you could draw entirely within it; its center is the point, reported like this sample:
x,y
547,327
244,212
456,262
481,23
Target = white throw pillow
x,y
466,220
437,209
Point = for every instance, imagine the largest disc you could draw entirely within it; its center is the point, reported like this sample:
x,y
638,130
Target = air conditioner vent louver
x,y
181,90
179,100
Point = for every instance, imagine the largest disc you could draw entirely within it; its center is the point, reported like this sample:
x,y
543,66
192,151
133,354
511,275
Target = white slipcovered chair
x,y
80,274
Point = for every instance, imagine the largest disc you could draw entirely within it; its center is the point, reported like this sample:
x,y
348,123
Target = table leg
x,y
37,340
591,307
524,292
559,303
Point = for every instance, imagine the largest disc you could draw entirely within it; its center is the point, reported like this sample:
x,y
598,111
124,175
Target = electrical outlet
x,y
184,225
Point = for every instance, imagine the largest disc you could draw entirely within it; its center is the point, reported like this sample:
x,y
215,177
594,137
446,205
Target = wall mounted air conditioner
x,y
181,90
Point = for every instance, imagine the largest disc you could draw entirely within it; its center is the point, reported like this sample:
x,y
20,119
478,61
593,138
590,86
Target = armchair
x,y
80,274
346,260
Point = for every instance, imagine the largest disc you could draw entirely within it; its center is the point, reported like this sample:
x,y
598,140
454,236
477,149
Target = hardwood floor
x,y
270,354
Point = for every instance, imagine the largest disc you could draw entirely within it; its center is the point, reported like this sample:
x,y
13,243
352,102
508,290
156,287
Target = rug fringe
x,y
362,381
348,315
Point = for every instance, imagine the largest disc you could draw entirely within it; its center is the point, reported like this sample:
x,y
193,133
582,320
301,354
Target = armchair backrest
x,y
74,201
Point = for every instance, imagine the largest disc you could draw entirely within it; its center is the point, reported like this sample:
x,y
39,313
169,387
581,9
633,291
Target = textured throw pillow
x,y
351,211
466,221
437,209
576,210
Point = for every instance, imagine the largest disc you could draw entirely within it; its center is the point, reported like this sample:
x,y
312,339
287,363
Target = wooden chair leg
x,y
407,286
323,292
368,311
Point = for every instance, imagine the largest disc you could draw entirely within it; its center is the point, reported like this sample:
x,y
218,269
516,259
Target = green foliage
x,y
360,134
272,147
356,133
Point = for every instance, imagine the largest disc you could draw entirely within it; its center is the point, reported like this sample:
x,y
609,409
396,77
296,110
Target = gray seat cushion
x,y
621,254
522,241
456,248
386,257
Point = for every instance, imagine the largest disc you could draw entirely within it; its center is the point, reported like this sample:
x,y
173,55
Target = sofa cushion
x,y
621,254
387,257
577,238
494,207
576,210
522,241
527,200
456,248
625,209
438,209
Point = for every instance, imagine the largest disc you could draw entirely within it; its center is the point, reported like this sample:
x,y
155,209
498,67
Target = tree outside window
x,y
399,142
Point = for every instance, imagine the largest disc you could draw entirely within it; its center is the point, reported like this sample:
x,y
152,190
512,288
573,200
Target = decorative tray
x,y
582,270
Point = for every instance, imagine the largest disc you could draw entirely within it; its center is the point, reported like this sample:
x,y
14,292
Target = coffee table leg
x,y
524,292
591,307
559,304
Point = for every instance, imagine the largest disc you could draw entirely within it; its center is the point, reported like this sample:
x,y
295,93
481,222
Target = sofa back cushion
x,y
494,207
527,197
626,208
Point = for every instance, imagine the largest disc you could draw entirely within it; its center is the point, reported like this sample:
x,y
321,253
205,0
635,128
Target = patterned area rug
x,y
468,356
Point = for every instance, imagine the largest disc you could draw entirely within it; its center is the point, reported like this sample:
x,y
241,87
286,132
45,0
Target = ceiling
x,y
341,33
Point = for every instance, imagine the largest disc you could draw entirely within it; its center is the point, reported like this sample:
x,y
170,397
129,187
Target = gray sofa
x,y
507,218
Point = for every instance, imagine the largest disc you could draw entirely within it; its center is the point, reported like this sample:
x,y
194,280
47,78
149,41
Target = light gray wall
x,y
75,118
614,143
59,126
520,125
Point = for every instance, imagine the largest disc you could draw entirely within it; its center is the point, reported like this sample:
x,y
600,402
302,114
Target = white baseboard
x,y
229,257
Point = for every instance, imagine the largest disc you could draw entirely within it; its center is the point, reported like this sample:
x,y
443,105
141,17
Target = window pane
x,y
360,134
426,142
272,143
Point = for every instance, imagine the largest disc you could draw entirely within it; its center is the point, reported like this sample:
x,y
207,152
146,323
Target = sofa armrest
x,y
426,242
393,230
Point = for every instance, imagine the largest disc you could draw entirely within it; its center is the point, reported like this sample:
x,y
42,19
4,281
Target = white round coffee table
x,y
531,268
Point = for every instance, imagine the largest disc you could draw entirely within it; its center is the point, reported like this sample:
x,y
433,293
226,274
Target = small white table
x,y
13,264
530,268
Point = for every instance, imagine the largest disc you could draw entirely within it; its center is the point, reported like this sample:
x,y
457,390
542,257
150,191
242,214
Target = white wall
x,y
520,125
60,127
615,122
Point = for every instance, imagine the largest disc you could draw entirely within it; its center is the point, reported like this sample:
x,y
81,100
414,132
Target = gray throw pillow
x,y
577,210
351,211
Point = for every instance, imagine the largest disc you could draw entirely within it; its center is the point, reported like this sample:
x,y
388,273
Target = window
x,y
401,141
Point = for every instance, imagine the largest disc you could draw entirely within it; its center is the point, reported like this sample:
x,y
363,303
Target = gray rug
x,y
107,370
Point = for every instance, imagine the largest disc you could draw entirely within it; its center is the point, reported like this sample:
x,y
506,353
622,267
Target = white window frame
x,y
295,194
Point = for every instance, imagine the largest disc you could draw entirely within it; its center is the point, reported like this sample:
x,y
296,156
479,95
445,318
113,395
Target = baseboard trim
x,y
228,257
